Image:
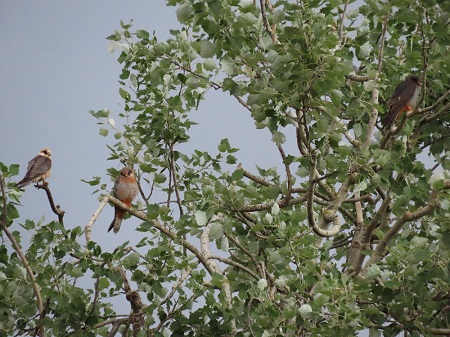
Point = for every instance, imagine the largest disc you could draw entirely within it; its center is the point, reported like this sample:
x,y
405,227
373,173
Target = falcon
x,y
125,189
404,98
39,169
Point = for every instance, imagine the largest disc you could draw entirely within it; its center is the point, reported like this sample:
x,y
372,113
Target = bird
x,y
125,189
39,168
403,99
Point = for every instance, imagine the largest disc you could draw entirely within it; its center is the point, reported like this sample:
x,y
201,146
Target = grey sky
x,y
54,67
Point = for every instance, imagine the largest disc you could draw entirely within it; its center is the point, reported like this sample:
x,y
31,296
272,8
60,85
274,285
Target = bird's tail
x,y
23,183
389,119
117,221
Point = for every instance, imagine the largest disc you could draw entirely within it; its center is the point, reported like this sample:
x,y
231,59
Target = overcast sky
x,y
54,68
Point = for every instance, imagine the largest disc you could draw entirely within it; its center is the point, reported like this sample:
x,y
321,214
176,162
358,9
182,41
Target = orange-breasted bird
x,y
403,99
125,189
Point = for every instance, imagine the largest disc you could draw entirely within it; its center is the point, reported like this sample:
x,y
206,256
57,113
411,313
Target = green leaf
x,y
13,169
207,49
124,94
216,231
131,260
265,42
224,145
278,138
103,131
103,283
160,178
201,218
184,12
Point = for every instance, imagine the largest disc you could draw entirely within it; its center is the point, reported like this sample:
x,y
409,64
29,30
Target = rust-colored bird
x,y
404,98
125,189
39,168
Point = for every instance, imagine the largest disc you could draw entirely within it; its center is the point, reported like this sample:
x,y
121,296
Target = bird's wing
x,y
37,167
400,98
402,94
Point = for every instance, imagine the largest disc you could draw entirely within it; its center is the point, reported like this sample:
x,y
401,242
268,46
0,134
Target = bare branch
x,y
436,115
56,209
435,104
341,26
88,227
358,78
268,205
237,265
355,142
441,332
266,22
256,179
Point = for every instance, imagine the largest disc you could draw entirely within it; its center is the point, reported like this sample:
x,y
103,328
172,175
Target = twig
x,y
3,223
88,227
435,104
245,250
255,178
436,115
237,265
268,205
56,209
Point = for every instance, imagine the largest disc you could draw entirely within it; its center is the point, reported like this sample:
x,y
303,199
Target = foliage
x,y
348,233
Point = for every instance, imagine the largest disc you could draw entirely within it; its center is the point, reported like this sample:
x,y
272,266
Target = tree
x,y
349,232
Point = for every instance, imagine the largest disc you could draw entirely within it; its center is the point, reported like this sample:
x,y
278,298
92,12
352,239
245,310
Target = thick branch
x,y
167,231
206,253
408,216
361,239
358,78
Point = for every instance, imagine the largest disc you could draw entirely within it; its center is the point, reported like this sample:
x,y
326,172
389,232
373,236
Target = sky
x,y
54,68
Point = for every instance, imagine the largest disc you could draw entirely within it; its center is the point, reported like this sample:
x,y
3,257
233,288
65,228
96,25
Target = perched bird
x,y
39,169
404,98
125,189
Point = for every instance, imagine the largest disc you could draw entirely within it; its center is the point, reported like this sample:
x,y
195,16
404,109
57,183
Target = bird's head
x,y
415,79
45,152
126,172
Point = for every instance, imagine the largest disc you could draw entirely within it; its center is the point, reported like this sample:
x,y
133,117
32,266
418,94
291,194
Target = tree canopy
x,y
348,233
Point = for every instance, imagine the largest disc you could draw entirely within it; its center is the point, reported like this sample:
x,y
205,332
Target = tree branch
x,y
266,22
56,209
206,254
88,227
4,224
408,216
